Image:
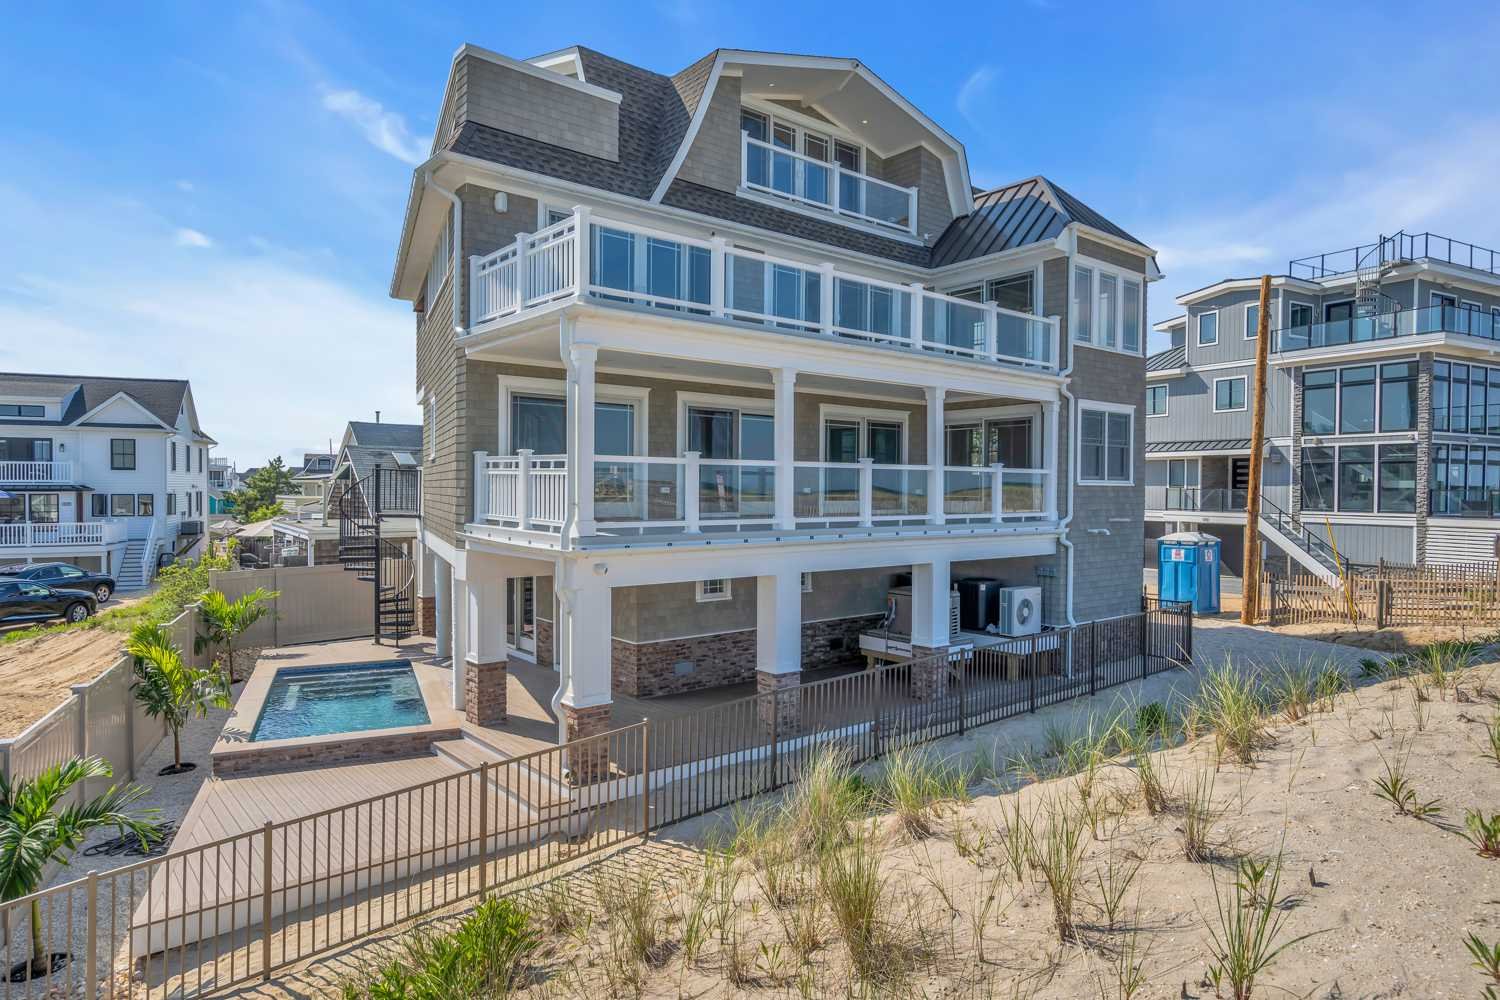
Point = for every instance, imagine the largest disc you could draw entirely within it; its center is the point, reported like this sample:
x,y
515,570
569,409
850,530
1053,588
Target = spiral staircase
x,y
362,506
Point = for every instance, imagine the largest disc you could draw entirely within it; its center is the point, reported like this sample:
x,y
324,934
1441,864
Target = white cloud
x,y
186,187
975,91
257,331
192,238
385,130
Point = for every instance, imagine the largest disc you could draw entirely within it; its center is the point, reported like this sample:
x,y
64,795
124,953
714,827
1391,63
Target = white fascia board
x,y
1244,284
1100,236
1165,373
1165,326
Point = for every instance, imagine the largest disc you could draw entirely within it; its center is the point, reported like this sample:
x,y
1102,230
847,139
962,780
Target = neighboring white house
x,y
107,473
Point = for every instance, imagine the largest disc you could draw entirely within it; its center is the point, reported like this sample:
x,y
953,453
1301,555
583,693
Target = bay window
x,y
1106,308
1130,338
1080,316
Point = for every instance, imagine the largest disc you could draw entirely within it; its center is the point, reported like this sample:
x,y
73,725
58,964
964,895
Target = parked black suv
x,y
64,576
22,600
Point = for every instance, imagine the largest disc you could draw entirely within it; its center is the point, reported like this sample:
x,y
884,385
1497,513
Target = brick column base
x,y
929,672
484,693
427,616
780,702
590,762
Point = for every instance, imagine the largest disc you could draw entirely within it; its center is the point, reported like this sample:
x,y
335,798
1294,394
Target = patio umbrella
x,y
6,496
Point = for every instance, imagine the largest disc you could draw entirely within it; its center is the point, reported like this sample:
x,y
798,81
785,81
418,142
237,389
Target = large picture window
x,y
1398,478
1465,398
1318,479
1357,400
1319,402
1398,396
1357,478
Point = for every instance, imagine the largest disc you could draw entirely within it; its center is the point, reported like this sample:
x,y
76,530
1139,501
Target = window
x,y
429,425
1319,402
42,507
174,456
1398,478
713,590
807,583
122,505
145,504
1229,394
22,410
1208,328
1357,400
1299,316
1182,472
1082,311
1357,478
19,449
1130,313
1398,397
198,502
1105,442
99,504
1156,400
122,453
1252,320
441,264
201,457
171,503
1317,478
1015,292
1108,308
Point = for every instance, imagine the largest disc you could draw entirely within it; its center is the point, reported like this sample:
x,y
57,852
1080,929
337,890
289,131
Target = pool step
x,y
529,800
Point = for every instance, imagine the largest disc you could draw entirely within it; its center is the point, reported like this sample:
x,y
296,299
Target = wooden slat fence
x,y
1388,594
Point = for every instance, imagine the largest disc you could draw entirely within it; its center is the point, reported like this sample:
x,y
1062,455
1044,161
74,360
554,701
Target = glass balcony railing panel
x,y
1023,492
764,291
953,323
826,492
871,311
897,492
966,492
736,491
1407,323
1028,338
637,491
636,267
788,173
875,200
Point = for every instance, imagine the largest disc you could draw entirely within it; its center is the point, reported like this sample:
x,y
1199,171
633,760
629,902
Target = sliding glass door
x,y
730,492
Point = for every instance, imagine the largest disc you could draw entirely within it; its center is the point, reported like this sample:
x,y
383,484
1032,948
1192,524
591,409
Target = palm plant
x,y
226,620
34,832
169,689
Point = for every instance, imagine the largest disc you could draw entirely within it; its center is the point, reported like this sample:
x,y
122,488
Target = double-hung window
x,y
122,453
1229,394
1106,434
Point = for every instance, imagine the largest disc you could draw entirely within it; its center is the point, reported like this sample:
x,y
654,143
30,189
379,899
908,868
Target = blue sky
x,y
215,191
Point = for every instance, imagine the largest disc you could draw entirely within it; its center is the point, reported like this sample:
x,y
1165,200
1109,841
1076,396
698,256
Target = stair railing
x,y
1294,529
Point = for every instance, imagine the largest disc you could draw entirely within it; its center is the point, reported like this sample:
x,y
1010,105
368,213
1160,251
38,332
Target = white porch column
x,y
785,430
442,592
778,650
582,360
461,636
312,548
929,629
485,655
929,604
585,616
936,455
1051,460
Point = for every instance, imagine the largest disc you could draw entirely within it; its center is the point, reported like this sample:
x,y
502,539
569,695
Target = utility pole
x,y
1250,604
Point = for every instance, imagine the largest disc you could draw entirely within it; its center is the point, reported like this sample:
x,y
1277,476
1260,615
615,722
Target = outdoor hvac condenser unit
x,y
1020,610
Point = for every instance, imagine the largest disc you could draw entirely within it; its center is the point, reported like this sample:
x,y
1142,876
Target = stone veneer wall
x,y
544,642
647,669
357,747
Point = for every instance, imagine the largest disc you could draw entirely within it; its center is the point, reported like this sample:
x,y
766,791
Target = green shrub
x,y
481,959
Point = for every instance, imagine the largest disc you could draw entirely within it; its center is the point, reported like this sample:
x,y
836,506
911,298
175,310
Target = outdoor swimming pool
x,y
348,698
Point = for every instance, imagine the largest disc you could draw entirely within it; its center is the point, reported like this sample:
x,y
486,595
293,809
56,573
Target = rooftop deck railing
x,y
1400,247
632,265
1388,326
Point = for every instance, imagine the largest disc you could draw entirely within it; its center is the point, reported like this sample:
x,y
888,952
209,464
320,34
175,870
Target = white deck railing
x,y
27,535
36,472
636,493
788,174
634,265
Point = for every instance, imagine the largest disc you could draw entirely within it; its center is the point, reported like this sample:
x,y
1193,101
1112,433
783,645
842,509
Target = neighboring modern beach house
x,y
1383,409
107,473
730,374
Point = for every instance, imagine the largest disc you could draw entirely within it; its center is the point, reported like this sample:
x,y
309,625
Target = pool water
x,y
317,701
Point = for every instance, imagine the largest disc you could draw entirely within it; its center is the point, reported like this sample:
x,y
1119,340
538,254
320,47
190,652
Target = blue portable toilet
x,y
1187,570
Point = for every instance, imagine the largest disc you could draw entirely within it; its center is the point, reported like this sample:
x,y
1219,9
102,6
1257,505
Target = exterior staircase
x,y
375,559
1370,271
525,801
1291,536
133,574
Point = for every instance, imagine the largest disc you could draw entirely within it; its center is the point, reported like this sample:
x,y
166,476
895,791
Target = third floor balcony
x,y
586,257
1356,331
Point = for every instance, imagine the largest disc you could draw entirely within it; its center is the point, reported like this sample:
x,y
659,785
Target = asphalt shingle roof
x,y
399,437
161,397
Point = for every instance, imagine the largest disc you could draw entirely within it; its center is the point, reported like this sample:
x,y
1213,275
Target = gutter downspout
x,y
1062,525
458,228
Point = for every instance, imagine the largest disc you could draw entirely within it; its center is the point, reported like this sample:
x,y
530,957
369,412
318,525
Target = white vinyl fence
x,y
99,719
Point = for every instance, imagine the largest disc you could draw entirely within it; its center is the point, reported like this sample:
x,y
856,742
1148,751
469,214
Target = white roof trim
x,y
1244,284
699,114
133,402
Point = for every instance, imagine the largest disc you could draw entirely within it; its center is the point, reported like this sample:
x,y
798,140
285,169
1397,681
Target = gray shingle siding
x,y
713,160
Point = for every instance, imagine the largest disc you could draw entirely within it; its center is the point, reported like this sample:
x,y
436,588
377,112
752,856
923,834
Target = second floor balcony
x,y
1360,330
1216,500
21,535
623,497
586,257
36,472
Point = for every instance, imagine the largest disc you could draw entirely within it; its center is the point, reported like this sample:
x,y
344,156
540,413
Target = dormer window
x,y
820,170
